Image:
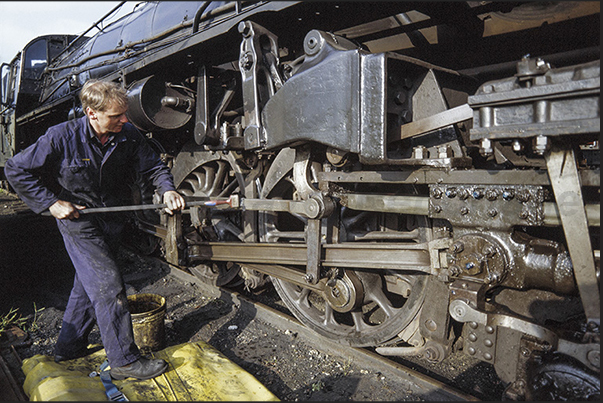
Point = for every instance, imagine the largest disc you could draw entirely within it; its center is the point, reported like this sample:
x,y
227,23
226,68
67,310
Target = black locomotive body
x,y
417,177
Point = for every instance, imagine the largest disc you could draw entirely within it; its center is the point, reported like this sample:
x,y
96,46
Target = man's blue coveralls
x,y
69,163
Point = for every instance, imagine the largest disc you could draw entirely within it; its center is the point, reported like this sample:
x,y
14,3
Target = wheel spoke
x,y
329,318
210,176
200,180
359,323
218,180
376,295
302,299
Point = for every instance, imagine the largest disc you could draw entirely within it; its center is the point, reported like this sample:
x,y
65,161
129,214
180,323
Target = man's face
x,y
109,121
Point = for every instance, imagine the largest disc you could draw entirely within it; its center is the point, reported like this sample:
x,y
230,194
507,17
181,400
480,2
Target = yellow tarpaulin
x,y
197,372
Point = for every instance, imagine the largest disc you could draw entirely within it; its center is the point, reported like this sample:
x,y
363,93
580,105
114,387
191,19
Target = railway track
x,y
420,383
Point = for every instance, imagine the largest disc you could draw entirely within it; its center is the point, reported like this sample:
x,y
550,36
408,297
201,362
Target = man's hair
x,y
100,95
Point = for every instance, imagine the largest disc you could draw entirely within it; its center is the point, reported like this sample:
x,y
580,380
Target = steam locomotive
x,y
421,178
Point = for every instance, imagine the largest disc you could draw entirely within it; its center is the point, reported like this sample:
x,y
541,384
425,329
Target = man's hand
x,y
62,209
173,201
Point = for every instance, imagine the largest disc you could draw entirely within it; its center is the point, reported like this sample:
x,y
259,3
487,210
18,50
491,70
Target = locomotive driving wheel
x,y
377,318
358,308
213,176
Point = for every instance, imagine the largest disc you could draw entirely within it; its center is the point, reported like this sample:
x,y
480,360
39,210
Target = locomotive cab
x,y
21,85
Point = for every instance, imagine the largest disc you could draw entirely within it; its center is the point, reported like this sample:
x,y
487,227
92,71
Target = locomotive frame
x,y
417,177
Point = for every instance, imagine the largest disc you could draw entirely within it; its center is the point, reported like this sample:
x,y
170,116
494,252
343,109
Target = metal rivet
x,y
431,325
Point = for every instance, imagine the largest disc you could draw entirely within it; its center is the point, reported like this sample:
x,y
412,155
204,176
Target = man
x,y
91,162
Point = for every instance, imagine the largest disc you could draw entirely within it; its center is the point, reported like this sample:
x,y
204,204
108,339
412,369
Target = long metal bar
x,y
563,171
437,121
402,256
137,207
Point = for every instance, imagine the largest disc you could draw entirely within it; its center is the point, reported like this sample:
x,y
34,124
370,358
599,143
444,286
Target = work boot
x,y
78,354
143,368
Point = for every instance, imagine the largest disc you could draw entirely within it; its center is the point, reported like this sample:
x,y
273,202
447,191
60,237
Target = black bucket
x,y
148,314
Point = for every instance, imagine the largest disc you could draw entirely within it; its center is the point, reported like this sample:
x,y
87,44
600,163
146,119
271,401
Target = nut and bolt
x,y
431,354
400,98
463,194
523,196
508,194
489,251
420,152
478,194
492,278
445,152
540,144
491,194
455,270
485,149
436,193
458,247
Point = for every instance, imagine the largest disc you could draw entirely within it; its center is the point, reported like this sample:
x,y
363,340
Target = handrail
x,y
89,29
